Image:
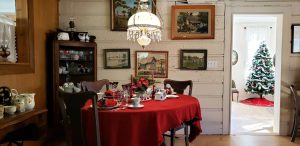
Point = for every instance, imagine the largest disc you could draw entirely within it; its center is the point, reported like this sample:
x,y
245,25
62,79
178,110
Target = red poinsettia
x,y
140,84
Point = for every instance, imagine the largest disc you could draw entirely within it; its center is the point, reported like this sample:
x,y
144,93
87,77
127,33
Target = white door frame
x,y
254,8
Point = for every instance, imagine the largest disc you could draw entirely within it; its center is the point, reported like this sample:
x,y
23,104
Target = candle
x,y
153,76
131,84
153,84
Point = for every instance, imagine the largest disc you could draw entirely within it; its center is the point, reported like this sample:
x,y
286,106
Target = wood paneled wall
x,y
45,20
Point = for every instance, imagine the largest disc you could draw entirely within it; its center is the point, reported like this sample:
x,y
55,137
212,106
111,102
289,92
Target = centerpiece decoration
x,y
141,86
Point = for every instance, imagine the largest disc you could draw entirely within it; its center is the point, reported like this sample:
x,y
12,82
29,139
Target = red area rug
x,y
258,102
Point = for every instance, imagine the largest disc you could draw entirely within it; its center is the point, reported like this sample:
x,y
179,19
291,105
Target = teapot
x,y
69,87
18,100
28,100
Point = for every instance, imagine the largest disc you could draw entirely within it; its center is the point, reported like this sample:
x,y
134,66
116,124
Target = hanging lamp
x,y
144,26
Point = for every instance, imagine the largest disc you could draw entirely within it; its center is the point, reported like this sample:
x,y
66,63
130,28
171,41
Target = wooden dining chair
x,y
70,106
296,123
95,86
126,86
179,87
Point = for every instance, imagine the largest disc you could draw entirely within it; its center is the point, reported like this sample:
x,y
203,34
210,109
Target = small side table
x,y
15,127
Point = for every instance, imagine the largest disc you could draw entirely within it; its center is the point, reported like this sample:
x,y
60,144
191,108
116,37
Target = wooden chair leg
x,y
295,128
163,143
172,135
186,134
237,97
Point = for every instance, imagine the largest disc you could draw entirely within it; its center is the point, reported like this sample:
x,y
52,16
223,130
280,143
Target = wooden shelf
x,y
83,74
70,60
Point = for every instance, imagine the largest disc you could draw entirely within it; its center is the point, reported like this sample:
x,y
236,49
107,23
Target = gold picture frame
x,y
150,63
193,22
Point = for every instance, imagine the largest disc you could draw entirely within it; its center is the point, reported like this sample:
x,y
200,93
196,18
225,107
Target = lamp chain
x,y
154,5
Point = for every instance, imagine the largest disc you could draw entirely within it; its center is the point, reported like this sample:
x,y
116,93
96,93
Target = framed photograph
x,y
193,59
122,10
116,58
193,22
150,63
295,42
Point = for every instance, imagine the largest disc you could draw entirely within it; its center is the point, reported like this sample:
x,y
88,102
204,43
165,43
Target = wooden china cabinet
x,y
71,61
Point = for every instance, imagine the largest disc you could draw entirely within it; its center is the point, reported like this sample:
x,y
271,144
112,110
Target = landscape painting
x,y
116,58
193,59
122,10
150,63
193,22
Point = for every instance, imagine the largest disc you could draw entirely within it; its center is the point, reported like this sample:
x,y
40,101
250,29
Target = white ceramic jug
x,y
29,100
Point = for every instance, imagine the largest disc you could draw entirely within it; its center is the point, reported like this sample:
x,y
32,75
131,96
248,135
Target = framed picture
x,y
193,59
122,10
193,22
295,38
116,58
150,63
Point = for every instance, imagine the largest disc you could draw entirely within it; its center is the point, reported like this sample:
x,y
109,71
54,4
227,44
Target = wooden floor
x,y
245,120
221,140
240,140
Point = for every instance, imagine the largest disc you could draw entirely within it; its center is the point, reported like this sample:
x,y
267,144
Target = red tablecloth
x,y
143,127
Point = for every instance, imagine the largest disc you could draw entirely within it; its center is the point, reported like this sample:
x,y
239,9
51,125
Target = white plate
x,y
135,107
107,107
172,96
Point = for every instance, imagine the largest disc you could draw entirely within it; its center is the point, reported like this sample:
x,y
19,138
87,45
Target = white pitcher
x,y
29,100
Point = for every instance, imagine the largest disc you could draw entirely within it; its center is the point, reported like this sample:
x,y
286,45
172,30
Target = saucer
x,y
172,96
135,107
108,107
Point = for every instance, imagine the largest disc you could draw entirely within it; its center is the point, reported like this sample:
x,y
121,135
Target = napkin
x,y
108,103
109,93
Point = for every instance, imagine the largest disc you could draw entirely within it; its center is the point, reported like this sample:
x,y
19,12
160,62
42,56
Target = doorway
x,y
249,33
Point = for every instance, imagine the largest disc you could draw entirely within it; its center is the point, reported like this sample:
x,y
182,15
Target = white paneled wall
x,y
93,16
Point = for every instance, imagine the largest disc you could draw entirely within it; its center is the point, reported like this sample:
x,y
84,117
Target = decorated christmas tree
x,y
261,78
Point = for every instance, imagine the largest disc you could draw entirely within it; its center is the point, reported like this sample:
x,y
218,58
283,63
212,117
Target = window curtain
x,y
255,35
8,37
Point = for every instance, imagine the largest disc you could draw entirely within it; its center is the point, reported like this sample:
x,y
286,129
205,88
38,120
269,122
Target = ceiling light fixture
x,y
144,26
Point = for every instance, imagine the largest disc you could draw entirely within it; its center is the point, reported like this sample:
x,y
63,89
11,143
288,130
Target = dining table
x,y
143,126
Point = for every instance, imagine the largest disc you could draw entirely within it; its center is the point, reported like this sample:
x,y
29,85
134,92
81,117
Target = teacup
x,y
136,101
10,109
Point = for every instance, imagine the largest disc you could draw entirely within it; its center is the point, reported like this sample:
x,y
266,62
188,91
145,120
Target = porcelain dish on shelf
x,y
172,96
135,107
